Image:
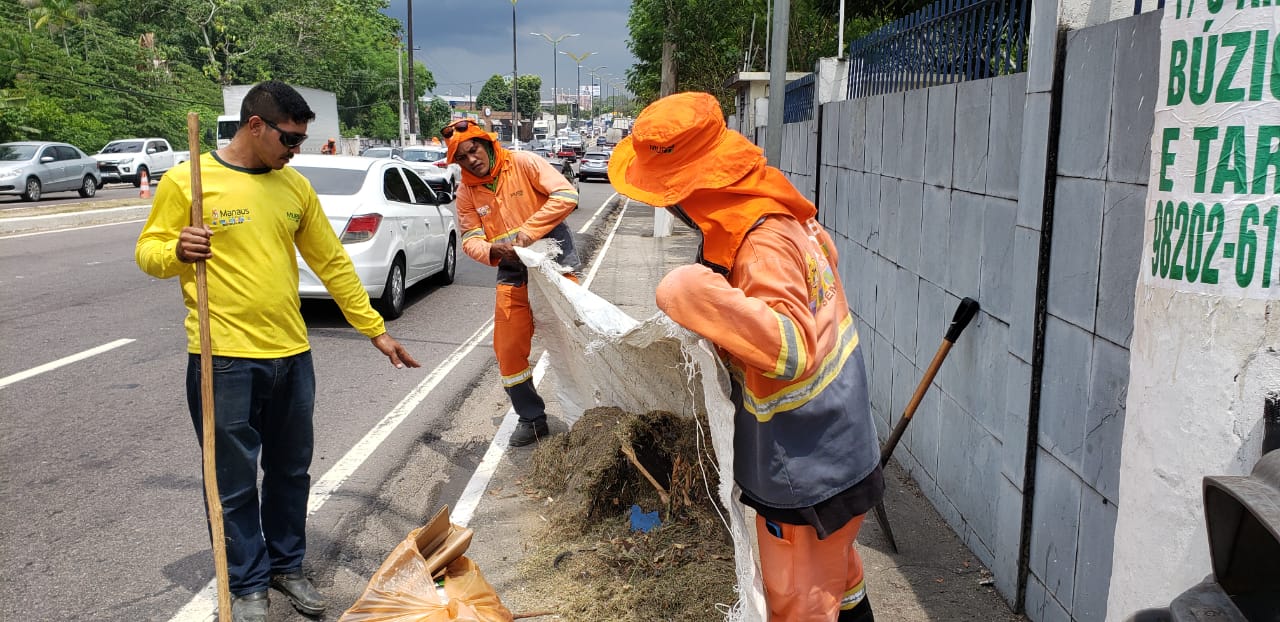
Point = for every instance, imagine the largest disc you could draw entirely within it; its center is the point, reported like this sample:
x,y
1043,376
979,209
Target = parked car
x,y
31,169
382,152
594,165
127,159
431,164
395,228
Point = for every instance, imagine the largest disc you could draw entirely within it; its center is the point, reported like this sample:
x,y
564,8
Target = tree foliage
x,y
496,94
87,72
715,38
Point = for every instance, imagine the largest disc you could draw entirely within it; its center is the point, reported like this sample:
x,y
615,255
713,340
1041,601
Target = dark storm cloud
x,y
467,41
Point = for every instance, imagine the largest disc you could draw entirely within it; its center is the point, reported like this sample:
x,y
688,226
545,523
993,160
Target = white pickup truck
x,y
125,160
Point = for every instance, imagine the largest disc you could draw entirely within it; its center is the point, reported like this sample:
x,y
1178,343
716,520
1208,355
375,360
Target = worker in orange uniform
x,y
330,147
509,199
766,292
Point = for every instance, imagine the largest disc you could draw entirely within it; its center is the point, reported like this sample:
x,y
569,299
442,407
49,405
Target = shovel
x,y
964,313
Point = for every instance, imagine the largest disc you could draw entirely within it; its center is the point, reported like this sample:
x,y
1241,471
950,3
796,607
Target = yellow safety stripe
x,y
854,596
791,359
565,194
478,232
515,379
796,395
506,237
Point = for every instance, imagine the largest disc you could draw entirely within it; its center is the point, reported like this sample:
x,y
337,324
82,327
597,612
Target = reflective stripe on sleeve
x,y
791,358
567,195
798,394
473,233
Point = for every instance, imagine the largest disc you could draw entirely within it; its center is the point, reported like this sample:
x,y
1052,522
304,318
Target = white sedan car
x,y
429,162
396,229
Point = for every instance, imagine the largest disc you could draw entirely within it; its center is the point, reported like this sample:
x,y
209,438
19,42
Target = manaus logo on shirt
x,y
231,217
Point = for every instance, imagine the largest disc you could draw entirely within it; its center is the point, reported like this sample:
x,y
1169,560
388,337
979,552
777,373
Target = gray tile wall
x,y
937,194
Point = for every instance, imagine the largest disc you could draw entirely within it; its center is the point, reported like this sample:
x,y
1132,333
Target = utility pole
x,y
777,81
413,93
400,81
668,84
515,78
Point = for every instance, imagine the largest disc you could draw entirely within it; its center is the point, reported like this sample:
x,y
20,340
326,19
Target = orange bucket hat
x,y
680,144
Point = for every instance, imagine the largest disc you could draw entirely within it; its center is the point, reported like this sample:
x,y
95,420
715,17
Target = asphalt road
x,y
109,191
99,467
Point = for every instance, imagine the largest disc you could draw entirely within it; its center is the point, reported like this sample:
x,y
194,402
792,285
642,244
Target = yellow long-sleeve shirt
x,y
258,217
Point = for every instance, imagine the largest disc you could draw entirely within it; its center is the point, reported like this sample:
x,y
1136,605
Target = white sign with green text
x,y
1213,203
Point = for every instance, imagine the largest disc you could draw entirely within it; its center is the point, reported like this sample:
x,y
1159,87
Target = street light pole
x,y
555,82
594,72
577,87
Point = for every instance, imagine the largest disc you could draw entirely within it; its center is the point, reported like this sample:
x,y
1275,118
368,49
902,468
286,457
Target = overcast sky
x,y
463,41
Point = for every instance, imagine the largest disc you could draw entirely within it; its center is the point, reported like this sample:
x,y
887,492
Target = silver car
x,y
31,169
431,165
396,230
594,164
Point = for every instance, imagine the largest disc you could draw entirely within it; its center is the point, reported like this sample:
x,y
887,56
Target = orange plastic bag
x,y
403,590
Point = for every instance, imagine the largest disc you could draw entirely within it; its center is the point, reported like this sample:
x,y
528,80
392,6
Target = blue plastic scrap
x,y
643,521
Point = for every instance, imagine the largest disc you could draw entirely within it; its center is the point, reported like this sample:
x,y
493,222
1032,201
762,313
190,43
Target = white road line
x,y
465,508
105,210
203,606
604,248
599,211
66,360
109,224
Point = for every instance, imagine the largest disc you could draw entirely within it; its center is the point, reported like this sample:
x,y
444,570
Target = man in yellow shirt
x,y
264,383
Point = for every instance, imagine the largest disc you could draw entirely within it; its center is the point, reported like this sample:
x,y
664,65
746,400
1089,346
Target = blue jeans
x,y
262,408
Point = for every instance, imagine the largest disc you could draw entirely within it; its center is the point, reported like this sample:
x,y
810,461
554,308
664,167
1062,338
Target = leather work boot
x,y
529,432
300,591
250,607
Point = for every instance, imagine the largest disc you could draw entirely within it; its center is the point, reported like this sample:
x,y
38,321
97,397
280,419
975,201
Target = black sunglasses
x,y
461,126
287,138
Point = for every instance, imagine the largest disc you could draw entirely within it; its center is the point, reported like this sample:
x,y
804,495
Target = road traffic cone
x,y
146,185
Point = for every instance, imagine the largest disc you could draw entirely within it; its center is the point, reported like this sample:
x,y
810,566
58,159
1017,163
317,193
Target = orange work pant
x,y
807,579
512,341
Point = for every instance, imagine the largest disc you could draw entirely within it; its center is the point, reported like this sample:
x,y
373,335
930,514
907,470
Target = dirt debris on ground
x,y
590,561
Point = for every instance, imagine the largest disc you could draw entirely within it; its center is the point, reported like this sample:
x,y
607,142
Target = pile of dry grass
x,y
590,561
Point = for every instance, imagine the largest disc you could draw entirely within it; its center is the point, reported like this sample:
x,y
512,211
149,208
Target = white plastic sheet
x,y
603,357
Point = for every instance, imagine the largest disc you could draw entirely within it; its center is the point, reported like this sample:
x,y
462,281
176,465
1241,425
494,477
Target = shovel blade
x,y
883,518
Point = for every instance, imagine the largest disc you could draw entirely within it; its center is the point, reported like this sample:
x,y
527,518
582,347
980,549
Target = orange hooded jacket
x,y
521,193
768,295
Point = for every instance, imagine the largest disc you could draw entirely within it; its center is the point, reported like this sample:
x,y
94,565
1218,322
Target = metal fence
x,y
947,41
1138,8
799,101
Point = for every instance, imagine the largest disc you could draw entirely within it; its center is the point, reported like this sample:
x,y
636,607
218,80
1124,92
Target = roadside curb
x,y
50,222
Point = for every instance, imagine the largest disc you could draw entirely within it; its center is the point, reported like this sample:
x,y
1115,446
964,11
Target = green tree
x,y
496,94
56,16
434,117
712,38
